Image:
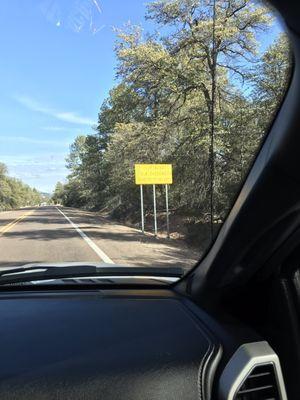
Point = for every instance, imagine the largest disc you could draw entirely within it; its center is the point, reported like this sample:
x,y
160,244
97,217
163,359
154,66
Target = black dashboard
x,y
110,344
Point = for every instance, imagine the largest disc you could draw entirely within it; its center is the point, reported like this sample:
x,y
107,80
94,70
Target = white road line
x,y
96,249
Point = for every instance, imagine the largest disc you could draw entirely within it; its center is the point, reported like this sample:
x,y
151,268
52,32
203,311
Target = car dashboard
x,y
124,344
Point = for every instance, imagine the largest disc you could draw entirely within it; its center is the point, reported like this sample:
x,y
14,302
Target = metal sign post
x,y
142,209
154,174
154,209
167,211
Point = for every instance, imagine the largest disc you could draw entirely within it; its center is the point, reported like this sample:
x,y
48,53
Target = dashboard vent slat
x,y
258,375
260,384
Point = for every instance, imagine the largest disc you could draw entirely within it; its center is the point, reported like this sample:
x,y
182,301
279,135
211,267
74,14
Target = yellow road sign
x,y
153,174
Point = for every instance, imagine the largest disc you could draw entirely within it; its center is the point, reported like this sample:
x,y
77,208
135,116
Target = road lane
x,y
104,257
49,235
43,236
128,246
7,217
10,225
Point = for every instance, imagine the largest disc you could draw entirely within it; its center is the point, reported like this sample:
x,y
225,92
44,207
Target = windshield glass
x,y
128,127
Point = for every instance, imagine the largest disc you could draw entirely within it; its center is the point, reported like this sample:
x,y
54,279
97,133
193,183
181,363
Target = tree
x,y
88,173
270,78
3,170
14,193
180,99
59,194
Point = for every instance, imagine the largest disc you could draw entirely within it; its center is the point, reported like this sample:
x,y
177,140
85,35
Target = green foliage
x,y
14,193
58,196
162,109
88,179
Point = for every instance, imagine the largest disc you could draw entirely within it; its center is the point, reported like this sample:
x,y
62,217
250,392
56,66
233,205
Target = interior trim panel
x,y
240,366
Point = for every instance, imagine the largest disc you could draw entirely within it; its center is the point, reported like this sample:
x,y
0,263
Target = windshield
x,y
128,127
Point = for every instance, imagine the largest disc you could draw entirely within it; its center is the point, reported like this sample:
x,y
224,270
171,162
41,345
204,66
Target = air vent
x,y
260,384
253,373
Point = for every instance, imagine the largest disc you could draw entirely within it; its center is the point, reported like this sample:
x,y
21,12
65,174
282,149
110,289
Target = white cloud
x,y
42,172
66,116
55,128
46,159
24,139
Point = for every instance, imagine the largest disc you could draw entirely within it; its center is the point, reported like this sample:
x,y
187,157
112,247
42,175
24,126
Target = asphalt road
x,y
58,234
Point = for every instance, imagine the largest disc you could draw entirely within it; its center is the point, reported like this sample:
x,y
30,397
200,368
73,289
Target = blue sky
x,y
57,66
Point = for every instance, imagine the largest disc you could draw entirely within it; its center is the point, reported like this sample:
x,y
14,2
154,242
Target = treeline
x,y
14,193
197,94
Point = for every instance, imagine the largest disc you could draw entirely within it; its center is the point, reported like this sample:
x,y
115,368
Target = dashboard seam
x,y
200,372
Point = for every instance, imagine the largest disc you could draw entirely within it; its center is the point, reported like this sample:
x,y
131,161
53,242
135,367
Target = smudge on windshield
x,y
78,16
